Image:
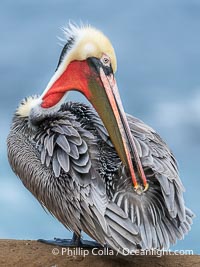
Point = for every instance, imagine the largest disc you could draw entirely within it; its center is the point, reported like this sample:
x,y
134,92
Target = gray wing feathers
x,y
65,148
155,154
153,220
63,160
160,213
72,151
63,143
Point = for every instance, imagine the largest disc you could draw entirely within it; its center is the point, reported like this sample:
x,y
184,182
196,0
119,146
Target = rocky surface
x,y
25,253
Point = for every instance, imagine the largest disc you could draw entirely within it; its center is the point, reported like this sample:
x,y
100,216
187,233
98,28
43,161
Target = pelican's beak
x,y
98,84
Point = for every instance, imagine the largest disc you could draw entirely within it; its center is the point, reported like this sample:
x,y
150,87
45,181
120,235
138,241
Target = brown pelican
x,y
97,169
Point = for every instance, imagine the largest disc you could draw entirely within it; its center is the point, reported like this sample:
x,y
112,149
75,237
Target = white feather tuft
x,y
26,105
73,30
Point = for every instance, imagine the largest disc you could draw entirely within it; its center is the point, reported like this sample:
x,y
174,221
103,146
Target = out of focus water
x,y
158,49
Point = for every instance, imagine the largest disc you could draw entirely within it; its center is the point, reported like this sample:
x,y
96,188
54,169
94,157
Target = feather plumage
x,y
74,171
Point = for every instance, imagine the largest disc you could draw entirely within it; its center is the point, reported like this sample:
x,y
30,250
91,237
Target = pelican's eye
x,y
106,60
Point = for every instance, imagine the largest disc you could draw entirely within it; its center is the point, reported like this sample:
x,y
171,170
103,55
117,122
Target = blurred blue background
x,y
158,49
